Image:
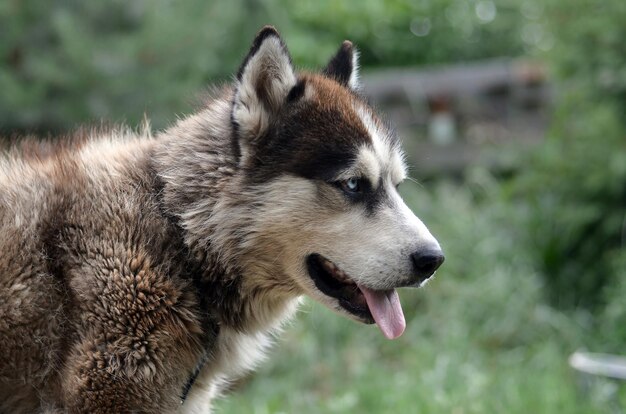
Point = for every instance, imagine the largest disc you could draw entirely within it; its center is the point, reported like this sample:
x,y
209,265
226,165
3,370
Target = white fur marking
x,y
236,354
369,165
389,157
354,82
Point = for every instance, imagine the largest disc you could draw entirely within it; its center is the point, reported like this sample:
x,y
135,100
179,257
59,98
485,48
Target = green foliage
x,y
611,323
590,52
65,62
74,61
574,196
402,32
572,190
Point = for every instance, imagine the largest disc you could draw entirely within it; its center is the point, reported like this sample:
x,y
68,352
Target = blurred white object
x,y
441,125
611,366
441,128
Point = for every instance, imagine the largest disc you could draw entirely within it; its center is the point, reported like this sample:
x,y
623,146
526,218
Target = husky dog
x,y
141,274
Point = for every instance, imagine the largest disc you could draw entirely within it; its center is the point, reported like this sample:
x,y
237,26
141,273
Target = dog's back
x,y
31,300
80,231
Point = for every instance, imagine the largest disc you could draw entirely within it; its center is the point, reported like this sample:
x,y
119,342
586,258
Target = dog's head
x,y
325,172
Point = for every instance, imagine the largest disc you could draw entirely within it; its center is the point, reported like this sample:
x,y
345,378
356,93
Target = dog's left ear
x,y
344,66
264,81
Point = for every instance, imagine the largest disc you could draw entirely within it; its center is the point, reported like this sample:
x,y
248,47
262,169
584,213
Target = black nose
x,y
426,262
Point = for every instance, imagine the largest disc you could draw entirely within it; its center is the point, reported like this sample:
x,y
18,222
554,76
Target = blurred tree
x,y
574,186
64,62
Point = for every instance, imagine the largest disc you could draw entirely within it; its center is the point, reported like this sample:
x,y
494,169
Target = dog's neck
x,y
200,186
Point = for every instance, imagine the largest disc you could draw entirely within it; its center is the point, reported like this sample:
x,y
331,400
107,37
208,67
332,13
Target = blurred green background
x,y
533,224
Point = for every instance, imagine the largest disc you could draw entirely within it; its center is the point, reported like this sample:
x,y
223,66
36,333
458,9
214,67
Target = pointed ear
x,y
263,83
344,66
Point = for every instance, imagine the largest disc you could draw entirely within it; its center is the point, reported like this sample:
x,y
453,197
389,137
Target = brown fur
x,y
88,290
130,264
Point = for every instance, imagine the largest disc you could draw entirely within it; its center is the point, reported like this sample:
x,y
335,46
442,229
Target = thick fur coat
x,y
141,274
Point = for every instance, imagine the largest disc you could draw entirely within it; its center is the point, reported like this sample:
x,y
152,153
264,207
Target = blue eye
x,y
351,185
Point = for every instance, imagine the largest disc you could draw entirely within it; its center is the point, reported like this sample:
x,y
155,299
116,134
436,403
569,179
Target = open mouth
x,y
368,305
333,282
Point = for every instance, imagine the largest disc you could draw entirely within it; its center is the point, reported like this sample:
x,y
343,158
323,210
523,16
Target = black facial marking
x,y
309,142
375,199
316,144
369,197
325,166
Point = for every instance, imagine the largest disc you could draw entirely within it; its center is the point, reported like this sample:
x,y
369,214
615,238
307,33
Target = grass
x,y
479,337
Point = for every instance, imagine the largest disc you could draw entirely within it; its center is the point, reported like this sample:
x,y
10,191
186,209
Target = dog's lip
x,y
335,283
368,305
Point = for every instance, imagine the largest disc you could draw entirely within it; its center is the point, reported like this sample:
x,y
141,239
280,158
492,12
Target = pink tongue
x,y
386,310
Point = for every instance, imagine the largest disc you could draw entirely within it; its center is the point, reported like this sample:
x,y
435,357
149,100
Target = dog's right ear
x,y
344,66
264,81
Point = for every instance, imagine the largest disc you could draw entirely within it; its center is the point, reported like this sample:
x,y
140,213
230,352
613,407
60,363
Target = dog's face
x,y
326,171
